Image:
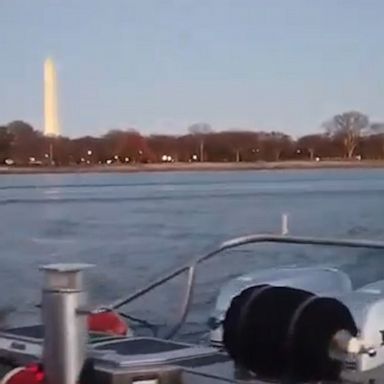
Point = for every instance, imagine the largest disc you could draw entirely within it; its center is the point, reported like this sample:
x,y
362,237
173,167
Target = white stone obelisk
x,y
51,115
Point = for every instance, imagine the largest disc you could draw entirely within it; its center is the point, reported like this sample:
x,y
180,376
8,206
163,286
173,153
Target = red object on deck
x,y
107,322
32,374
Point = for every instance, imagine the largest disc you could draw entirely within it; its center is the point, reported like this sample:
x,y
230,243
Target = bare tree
x,y
377,128
5,143
315,145
348,127
377,134
200,130
276,146
27,142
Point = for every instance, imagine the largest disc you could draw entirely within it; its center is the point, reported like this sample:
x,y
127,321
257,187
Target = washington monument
x,y
51,118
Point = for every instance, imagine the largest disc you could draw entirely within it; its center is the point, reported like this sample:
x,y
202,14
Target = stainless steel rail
x,y
230,244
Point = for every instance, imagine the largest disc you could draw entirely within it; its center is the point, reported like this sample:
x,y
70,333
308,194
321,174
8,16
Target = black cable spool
x,y
256,326
232,321
308,340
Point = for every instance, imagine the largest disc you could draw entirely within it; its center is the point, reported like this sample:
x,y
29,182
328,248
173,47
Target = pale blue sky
x,y
160,65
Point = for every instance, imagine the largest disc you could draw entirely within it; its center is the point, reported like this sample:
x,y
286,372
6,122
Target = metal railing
x,y
191,266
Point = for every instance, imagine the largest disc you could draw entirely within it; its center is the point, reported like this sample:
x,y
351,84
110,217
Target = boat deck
x,y
145,360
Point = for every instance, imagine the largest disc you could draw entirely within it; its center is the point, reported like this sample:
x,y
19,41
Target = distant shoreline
x,y
173,167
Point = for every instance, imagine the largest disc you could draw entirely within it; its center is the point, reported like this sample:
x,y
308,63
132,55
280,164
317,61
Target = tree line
x,y
349,135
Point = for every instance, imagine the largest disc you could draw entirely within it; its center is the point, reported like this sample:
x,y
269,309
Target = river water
x,y
135,226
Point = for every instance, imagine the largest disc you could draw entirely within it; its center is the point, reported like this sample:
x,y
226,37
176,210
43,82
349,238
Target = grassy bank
x,y
169,167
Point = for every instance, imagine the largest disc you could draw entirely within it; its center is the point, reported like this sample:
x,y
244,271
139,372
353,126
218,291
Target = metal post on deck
x,y
65,322
284,224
